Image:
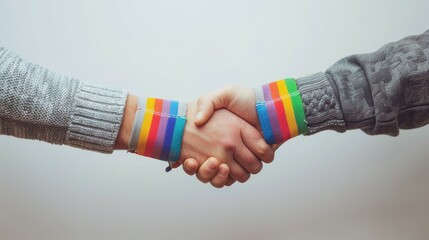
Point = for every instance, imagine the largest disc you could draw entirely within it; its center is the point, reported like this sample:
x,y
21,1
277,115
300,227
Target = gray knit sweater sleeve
x,y
36,103
380,92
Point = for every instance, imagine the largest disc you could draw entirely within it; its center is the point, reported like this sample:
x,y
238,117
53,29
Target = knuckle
x,y
202,178
270,158
229,183
263,148
189,172
189,168
242,178
257,168
201,100
228,146
217,184
253,165
229,88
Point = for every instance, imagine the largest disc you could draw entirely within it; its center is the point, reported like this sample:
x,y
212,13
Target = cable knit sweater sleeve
x,y
36,103
380,92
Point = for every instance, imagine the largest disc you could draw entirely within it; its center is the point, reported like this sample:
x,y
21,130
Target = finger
x,y
190,166
208,170
205,109
255,142
207,104
237,172
229,181
219,180
247,159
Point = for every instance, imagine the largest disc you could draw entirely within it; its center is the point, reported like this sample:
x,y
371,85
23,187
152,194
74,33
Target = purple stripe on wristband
x,y
272,113
161,130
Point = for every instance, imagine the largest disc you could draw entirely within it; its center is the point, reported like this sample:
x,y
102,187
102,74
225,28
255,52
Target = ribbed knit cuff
x,y
321,103
96,118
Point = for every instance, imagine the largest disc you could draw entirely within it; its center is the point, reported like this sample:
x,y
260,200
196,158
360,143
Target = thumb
x,y
207,104
205,109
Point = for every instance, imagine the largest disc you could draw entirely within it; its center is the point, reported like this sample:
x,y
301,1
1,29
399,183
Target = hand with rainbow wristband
x,y
161,130
275,109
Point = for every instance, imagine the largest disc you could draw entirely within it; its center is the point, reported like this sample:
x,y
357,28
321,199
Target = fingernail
x,y
223,171
211,166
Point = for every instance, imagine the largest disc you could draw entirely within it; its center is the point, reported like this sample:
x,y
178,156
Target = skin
x,y
223,150
212,169
240,101
228,138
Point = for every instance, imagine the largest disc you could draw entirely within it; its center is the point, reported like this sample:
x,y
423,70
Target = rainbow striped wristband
x,y
280,111
158,129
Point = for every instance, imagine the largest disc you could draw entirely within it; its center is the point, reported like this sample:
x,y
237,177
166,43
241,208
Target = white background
x,y
327,186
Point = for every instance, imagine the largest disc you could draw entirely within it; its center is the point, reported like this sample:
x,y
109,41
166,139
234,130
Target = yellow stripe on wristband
x,y
288,107
147,120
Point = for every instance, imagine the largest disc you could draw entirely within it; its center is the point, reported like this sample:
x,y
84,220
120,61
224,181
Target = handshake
x,y
223,137
226,136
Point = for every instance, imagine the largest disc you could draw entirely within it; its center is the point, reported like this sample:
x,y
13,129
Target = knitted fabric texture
x,y
379,92
36,103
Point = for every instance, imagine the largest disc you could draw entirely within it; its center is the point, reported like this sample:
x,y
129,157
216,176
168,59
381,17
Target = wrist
x,y
192,135
127,123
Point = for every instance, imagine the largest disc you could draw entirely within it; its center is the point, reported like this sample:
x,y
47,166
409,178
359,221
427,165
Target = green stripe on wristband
x,y
297,105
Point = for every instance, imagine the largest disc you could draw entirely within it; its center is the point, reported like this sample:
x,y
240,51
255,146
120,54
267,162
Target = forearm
x,y
36,103
380,92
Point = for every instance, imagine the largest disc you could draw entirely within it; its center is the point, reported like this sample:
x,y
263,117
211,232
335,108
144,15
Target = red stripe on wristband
x,y
281,114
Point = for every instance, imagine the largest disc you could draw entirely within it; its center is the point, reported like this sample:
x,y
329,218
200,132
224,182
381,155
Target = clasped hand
x,y
222,141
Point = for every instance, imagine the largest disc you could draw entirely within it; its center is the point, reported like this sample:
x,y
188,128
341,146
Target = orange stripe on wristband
x,y
151,139
281,115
